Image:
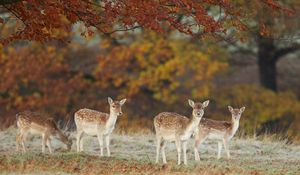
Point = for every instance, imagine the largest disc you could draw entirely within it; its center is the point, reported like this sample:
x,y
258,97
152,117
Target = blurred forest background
x,y
158,72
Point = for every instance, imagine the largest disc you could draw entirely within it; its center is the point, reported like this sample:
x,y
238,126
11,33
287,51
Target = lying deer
x,y
98,124
222,131
37,123
175,127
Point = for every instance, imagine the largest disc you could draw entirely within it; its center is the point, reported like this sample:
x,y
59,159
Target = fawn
x,y
222,131
37,123
98,124
171,126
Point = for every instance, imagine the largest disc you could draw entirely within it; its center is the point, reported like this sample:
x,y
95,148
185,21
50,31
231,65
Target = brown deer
x,y
175,127
98,124
37,123
222,131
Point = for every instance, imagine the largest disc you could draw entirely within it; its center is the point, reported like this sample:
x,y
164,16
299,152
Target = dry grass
x,y
135,154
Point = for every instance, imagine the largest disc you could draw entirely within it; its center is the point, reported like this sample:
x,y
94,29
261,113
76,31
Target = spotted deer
x,y
98,124
222,131
171,126
37,123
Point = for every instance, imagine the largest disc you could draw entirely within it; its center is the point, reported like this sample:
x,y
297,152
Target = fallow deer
x,y
37,123
98,124
222,131
171,126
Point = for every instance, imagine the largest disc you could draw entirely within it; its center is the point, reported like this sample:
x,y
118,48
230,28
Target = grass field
x,y
135,154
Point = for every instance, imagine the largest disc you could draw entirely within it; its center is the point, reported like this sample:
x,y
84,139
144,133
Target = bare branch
x,y
122,30
15,14
284,51
231,41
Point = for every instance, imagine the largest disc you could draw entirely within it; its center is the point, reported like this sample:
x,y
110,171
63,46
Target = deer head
x,y
236,113
198,108
115,106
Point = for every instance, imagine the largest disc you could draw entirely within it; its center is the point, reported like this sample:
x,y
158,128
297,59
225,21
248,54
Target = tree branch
x,y
123,30
231,41
15,14
284,51
6,2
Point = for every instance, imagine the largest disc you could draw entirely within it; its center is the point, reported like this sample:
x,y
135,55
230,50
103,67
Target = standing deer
x,y
37,123
222,131
175,127
98,124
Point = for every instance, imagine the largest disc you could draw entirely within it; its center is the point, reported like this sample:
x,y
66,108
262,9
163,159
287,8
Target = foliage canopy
x,y
45,20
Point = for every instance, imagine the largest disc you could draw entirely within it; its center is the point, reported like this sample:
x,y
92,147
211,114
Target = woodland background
x,y
156,71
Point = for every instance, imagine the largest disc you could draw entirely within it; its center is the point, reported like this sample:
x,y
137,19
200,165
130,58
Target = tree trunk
x,y
267,63
267,73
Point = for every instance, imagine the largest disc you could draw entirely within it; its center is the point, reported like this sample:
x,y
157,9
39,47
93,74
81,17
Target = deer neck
x,y
112,119
235,125
62,136
193,124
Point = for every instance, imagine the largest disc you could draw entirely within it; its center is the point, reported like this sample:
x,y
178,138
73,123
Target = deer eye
x,y
113,106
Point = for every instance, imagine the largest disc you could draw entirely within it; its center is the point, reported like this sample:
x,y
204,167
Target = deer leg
x,y
100,139
79,141
225,141
178,146
184,152
107,140
219,150
44,140
18,140
49,145
22,139
158,142
198,141
163,153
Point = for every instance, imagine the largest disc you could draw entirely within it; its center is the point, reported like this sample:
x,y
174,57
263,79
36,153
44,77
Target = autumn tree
x,y
44,20
50,20
269,37
37,78
160,65
166,70
277,42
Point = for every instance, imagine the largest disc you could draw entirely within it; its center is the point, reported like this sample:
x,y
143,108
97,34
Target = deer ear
x,y
205,104
242,109
230,108
122,101
110,100
191,103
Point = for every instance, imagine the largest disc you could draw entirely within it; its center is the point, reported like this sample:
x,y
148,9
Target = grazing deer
x,y
174,127
222,131
98,124
37,123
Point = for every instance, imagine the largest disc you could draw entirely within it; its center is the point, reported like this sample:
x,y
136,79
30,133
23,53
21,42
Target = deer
x,y
39,124
222,131
95,123
170,126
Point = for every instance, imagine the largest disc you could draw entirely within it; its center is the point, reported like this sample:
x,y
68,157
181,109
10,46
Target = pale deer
x,y
95,123
171,126
37,123
222,131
